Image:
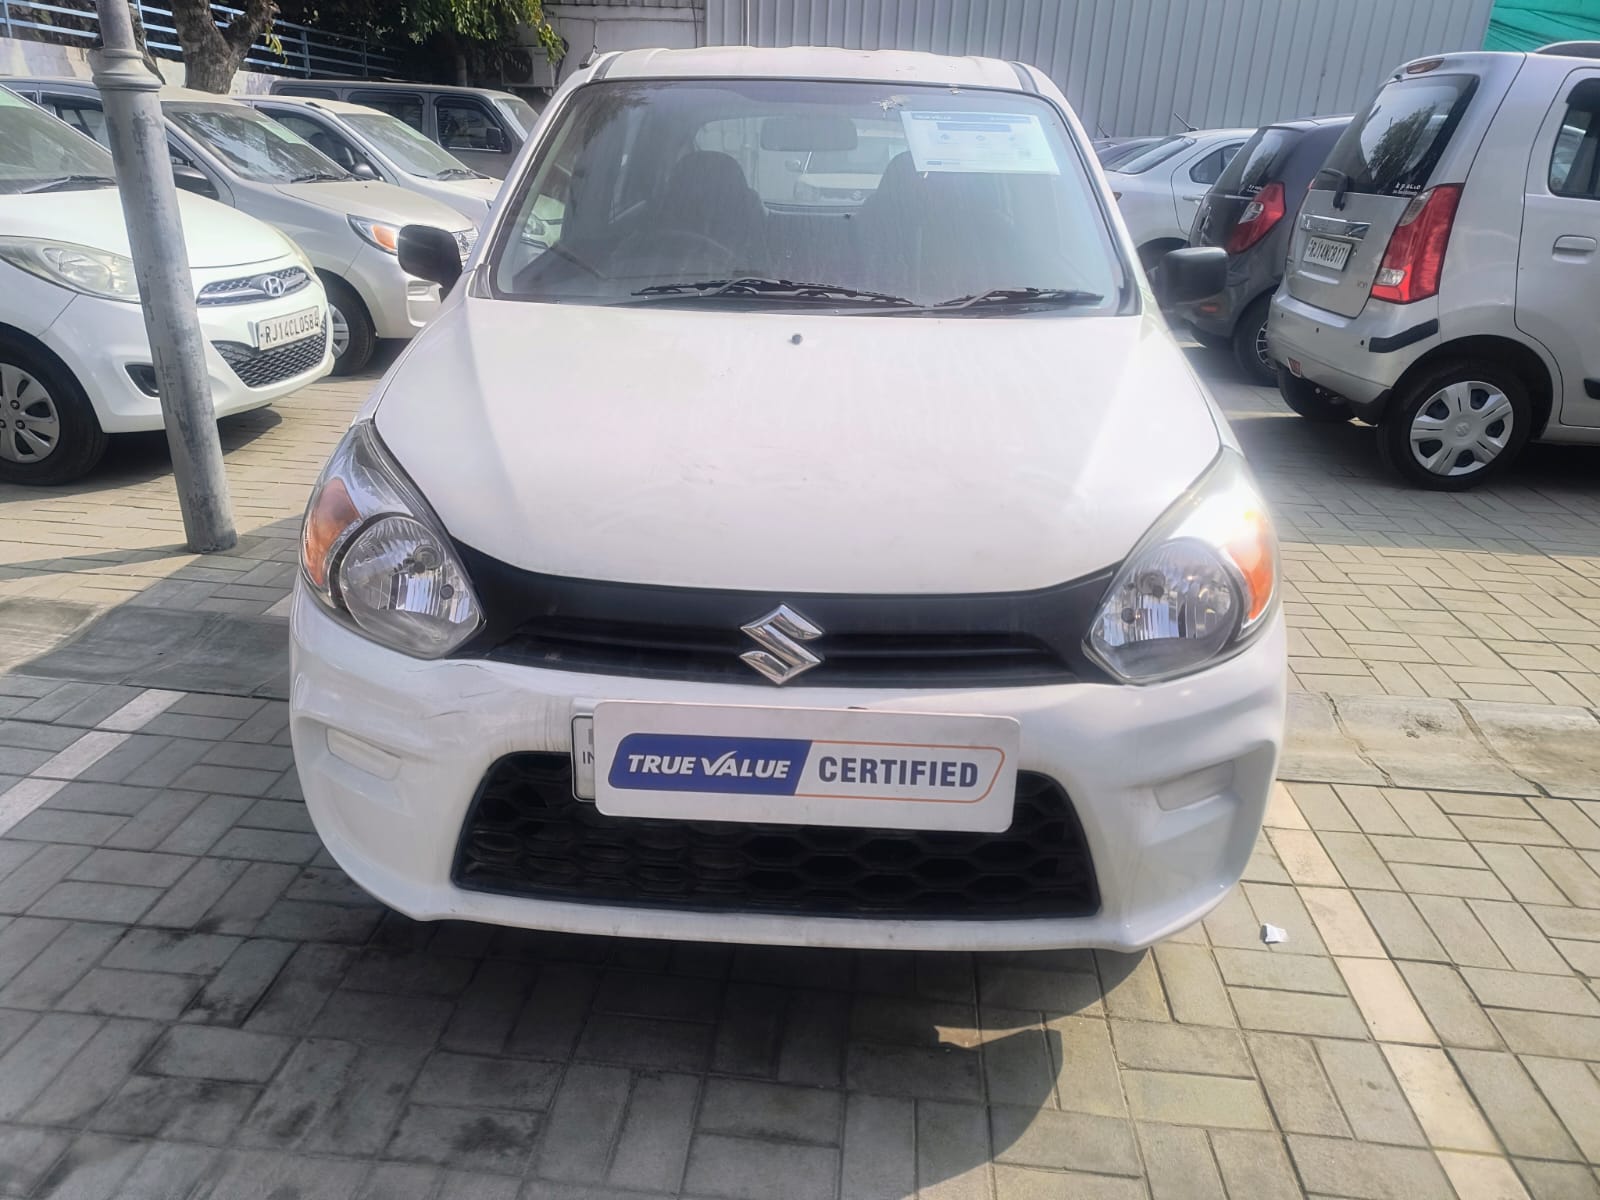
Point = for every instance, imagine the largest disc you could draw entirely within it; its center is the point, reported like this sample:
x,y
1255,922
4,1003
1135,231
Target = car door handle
x,y
1195,199
1573,243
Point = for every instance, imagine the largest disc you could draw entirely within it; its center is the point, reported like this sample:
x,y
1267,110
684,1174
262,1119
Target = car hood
x,y
480,189
793,451
216,235
378,201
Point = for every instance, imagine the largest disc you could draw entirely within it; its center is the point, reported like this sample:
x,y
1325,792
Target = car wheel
x,y
1310,401
1250,345
354,338
48,431
1457,426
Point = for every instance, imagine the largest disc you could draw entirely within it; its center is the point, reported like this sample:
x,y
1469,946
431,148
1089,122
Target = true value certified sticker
x,y
805,766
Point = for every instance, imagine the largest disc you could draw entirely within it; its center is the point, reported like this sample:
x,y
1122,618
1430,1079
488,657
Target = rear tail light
x,y
1414,260
1257,220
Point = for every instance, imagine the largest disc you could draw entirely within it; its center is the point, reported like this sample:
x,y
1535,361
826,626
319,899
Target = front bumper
x,y
100,339
400,304
1169,782
1337,352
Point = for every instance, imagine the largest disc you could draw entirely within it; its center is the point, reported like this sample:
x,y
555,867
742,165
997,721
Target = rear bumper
x,y
1337,352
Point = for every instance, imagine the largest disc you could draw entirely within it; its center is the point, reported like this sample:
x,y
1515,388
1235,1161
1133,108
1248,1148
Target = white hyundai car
x,y
725,568
1159,190
75,361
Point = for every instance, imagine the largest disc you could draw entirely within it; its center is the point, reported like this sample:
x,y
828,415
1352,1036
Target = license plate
x,y
1326,252
275,331
800,766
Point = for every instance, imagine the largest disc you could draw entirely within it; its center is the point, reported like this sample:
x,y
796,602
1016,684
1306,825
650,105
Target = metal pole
x,y
161,265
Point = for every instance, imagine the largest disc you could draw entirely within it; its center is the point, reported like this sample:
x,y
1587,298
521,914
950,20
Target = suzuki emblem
x,y
779,635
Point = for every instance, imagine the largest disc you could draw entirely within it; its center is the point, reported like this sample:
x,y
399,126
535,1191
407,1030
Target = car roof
x,y
391,85
334,106
812,62
86,87
1307,124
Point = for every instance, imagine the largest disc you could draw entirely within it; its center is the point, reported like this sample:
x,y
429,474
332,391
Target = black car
x,y
1250,212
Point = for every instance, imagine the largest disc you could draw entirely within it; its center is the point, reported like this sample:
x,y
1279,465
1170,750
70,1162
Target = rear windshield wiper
x,y
1339,191
70,181
318,177
1062,297
780,289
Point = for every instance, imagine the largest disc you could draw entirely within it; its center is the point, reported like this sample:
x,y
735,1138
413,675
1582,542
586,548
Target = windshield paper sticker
x,y
976,142
756,766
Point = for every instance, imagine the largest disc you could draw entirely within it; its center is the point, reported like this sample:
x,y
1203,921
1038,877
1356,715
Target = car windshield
x,y
409,150
1393,149
520,112
1153,156
699,191
38,152
254,145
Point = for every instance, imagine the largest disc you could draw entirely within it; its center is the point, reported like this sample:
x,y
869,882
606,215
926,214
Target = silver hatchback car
x,y
1443,275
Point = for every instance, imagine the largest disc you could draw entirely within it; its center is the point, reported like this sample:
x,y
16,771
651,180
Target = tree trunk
x,y
212,56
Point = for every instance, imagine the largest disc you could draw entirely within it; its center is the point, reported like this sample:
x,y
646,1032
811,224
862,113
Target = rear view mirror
x,y
430,253
808,132
192,179
1192,273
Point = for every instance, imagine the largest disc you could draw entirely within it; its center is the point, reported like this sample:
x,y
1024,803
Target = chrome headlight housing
x,y
1198,588
382,234
373,552
82,268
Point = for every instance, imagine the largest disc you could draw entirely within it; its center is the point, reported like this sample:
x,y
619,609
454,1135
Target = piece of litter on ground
x,y
1271,934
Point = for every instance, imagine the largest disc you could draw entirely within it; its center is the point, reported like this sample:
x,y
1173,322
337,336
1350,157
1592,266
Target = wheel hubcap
x,y
341,332
29,423
1263,356
1461,428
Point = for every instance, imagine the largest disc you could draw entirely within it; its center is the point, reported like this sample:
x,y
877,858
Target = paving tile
x,y
1451,1009
879,1148
1335,1167
466,1081
1558,1181
1298,1012
1086,1072
1164,1046
1440,1100
38,1057
190,1110
58,966
26,1155
1339,920
945,1073
1540,993
1285,972
765,1110
1511,1101
198,1052
1460,933
1373,1104
1193,985
1574,1091
1391,1012
147,994
1481,1176
471,1138
738,1167
1063,1140
1549,1034
584,1120
653,1146
1254,1165
1178,1163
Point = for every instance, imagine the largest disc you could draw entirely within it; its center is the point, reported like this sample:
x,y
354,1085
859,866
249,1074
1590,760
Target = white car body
x,y
635,473
316,215
315,118
98,339
1159,204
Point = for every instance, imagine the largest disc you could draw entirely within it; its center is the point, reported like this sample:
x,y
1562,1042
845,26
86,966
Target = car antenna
x,y
1187,128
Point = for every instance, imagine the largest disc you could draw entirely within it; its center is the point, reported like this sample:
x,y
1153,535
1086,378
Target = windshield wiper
x,y
460,173
70,181
778,289
318,177
1064,297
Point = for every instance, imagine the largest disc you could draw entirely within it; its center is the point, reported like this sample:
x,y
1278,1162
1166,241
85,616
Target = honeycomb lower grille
x,y
526,835
263,368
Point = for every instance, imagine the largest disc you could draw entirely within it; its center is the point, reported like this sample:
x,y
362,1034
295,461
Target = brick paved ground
x,y
194,1002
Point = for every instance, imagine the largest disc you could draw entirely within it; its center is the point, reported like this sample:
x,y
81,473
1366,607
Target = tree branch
x,y
255,20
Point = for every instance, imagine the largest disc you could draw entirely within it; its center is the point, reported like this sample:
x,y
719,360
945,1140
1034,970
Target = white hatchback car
x,y
75,361
1159,189
875,575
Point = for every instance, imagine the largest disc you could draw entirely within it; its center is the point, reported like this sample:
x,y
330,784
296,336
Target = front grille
x,y
526,835
263,368
254,287
597,627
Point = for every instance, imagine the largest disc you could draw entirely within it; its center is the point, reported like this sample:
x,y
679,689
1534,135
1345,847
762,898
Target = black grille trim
x,y
997,639
527,836
263,368
250,288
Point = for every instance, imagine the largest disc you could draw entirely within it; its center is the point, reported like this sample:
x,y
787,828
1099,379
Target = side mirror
x,y
363,170
494,139
430,253
1192,273
192,179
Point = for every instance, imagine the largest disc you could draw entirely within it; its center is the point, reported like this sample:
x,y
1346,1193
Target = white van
x,y
75,360
1444,273
226,151
722,566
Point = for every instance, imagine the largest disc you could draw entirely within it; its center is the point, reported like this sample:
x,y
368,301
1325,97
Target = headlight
x,y
373,552
81,268
381,234
1197,588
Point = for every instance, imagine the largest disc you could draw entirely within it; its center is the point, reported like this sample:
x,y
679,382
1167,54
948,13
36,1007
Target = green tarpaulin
x,y
1529,24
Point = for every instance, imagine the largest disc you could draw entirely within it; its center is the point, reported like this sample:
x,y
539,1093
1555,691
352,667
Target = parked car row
x,y
1430,266
334,181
